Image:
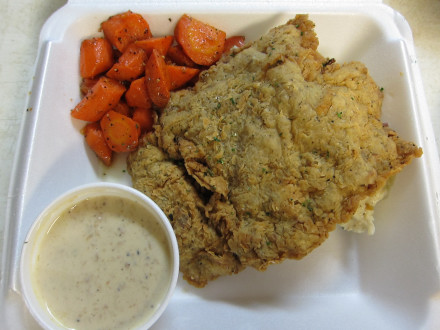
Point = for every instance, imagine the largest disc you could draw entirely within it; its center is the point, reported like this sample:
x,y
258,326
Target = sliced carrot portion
x,y
87,84
177,55
162,44
137,94
157,81
95,57
180,75
123,108
130,65
144,117
202,43
125,28
102,97
121,133
234,41
96,141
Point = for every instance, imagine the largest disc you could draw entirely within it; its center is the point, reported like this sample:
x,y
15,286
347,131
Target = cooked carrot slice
x,y
157,81
162,44
125,28
180,75
137,94
123,108
130,65
102,97
95,57
87,84
177,55
144,117
234,41
96,141
203,43
121,132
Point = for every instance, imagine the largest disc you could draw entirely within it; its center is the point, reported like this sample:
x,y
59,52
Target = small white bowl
x,y
34,294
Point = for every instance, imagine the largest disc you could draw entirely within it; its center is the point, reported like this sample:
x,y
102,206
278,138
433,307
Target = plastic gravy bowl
x,y
101,255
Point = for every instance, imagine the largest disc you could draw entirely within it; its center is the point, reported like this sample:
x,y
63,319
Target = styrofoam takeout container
x,y
389,280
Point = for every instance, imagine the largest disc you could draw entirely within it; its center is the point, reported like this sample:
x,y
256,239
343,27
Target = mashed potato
x,y
363,220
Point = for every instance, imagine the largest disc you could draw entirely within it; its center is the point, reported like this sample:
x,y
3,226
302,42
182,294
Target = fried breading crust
x,y
272,148
203,252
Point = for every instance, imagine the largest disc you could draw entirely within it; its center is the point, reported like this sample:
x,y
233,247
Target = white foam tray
x,y
386,281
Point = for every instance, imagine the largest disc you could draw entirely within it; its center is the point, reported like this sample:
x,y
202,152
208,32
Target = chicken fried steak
x,y
273,147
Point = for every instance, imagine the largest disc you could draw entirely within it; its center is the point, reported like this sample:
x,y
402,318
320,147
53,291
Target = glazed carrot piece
x,y
96,141
177,55
122,108
201,42
95,57
180,75
157,81
234,41
121,133
87,84
137,94
102,97
125,28
144,117
130,65
162,44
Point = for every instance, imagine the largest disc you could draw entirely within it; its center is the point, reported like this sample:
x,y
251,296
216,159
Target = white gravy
x,y
103,265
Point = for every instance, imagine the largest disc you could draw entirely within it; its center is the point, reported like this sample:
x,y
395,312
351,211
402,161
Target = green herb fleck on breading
x,y
308,205
209,172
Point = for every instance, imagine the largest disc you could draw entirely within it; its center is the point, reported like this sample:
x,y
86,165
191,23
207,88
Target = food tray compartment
x,y
352,281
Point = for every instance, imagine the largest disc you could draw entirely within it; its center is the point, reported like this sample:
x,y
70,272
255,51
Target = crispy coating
x,y
203,252
273,147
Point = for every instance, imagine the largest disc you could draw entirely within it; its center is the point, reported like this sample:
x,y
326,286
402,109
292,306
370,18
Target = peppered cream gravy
x,y
103,265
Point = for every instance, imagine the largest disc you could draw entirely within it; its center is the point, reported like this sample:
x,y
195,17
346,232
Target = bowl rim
x,y
45,218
